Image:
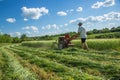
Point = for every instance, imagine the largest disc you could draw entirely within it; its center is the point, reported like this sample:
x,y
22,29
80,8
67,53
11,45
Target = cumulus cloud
x,y
54,26
78,19
18,33
79,9
11,20
66,24
14,34
53,32
31,28
106,3
93,19
35,29
33,13
112,16
28,32
61,13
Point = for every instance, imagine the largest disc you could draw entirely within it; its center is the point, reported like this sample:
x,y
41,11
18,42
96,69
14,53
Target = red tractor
x,y
65,41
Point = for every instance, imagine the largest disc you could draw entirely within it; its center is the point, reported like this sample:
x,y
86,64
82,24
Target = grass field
x,y
38,60
101,44
96,44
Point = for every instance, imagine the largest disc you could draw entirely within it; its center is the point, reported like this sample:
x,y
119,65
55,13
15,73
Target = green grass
x,y
53,66
40,61
38,43
2,63
96,63
96,44
4,44
101,44
14,70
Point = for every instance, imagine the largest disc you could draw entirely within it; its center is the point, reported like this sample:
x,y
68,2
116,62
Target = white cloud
x,y
66,24
35,29
112,16
106,3
111,25
61,13
18,33
28,32
52,32
97,5
79,9
25,19
93,19
78,19
54,26
11,20
14,34
31,28
33,13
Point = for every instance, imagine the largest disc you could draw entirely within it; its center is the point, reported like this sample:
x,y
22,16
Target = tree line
x,y
104,30
114,32
109,35
6,38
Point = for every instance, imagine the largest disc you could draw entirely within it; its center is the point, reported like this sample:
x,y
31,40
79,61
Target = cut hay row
x,y
45,63
75,52
14,70
49,65
2,64
41,73
36,44
97,64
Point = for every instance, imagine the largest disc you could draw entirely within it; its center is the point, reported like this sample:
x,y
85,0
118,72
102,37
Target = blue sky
x,y
48,17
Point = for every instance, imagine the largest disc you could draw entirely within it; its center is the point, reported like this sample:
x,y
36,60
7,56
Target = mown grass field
x,y
41,60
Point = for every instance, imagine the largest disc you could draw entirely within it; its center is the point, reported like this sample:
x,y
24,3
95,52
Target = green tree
x,y
5,38
23,37
95,31
16,40
118,29
113,29
105,30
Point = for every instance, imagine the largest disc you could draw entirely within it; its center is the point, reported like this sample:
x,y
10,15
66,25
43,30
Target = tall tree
x,y
23,37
